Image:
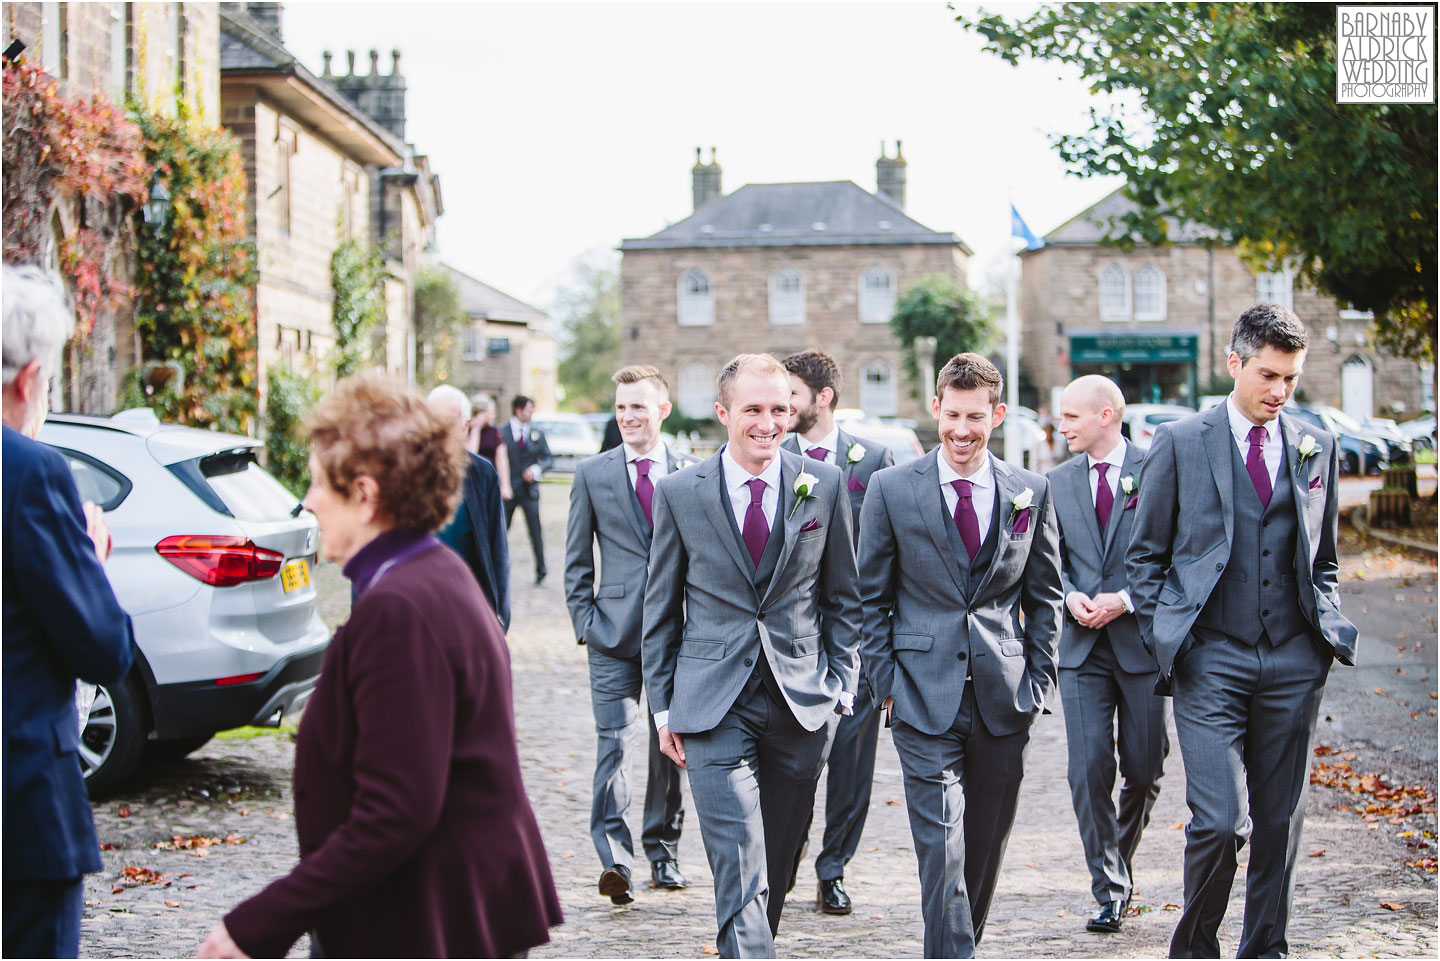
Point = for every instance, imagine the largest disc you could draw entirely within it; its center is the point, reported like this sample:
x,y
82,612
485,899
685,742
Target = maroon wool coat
x,y
416,837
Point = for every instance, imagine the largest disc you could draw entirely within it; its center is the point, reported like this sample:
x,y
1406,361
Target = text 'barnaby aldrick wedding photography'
x,y
1385,54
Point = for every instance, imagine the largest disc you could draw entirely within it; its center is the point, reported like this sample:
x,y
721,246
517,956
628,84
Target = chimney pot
x,y
350,62
326,57
374,62
704,180
395,63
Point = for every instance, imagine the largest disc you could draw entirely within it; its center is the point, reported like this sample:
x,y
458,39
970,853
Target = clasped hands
x,y
1095,612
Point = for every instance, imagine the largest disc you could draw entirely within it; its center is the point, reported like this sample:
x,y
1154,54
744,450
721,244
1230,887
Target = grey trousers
x,y
1098,697
615,700
848,780
1242,709
961,788
752,780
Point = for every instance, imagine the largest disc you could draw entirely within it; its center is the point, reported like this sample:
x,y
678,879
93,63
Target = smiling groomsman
x,y
961,592
1234,573
1106,674
611,505
814,390
752,616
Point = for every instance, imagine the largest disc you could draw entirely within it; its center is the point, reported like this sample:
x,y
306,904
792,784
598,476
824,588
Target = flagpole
x,y
1013,453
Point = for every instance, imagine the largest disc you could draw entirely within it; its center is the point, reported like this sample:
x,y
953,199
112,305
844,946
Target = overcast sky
x,y
559,129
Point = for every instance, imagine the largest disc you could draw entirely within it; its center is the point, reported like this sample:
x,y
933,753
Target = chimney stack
x,y
380,96
269,17
890,176
327,56
704,179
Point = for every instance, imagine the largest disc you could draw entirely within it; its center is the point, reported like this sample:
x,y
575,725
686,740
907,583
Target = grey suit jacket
x,y
918,612
604,508
1176,559
1092,561
857,475
706,619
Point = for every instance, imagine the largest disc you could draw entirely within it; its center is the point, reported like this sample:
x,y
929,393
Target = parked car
x,y
212,562
1395,439
1140,421
571,439
903,443
1421,432
1359,451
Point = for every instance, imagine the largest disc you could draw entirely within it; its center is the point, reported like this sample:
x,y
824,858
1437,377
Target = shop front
x,y
1149,368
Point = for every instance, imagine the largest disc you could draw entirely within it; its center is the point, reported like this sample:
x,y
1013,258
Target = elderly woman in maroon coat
x,y
416,837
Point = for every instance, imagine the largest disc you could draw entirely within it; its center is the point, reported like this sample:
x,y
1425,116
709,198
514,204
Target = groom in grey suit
x,y
1106,674
751,622
960,586
815,383
1234,573
611,505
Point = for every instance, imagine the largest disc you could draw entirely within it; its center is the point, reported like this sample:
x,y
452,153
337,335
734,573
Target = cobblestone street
x,y
1355,895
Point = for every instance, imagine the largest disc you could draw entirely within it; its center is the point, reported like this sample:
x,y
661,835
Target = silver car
x,y
212,561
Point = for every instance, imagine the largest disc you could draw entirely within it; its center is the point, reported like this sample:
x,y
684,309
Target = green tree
x,y
357,276
936,306
438,320
291,395
589,312
1237,128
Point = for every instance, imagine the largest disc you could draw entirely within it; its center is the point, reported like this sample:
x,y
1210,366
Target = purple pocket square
x,y
1130,504
813,524
855,487
1315,484
1022,522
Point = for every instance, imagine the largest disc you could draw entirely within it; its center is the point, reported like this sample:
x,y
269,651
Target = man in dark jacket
x,y
477,532
61,622
529,454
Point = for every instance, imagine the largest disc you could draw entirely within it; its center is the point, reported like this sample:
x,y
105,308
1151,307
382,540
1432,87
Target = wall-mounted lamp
x,y
157,208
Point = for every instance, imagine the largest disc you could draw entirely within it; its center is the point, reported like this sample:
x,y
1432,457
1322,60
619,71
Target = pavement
x,y
1355,895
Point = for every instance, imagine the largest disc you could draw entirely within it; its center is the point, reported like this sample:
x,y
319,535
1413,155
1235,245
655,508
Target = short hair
x,y
482,402
520,402
762,364
636,373
818,370
38,318
968,371
451,396
1267,325
369,424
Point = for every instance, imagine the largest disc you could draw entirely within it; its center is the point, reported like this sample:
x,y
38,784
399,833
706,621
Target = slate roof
x,y
792,215
481,300
1090,226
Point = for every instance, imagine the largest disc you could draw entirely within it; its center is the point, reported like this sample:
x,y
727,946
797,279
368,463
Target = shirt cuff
x,y
847,702
1125,600
662,719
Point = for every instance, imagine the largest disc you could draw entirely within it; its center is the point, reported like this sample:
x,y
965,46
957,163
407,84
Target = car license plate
x,y
295,575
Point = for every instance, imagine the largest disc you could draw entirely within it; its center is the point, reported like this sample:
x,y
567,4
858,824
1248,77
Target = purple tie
x,y
520,437
819,453
1104,498
965,520
756,531
1255,465
644,489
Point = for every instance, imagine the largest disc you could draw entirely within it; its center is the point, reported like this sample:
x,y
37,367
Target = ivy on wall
x,y
357,276
289,397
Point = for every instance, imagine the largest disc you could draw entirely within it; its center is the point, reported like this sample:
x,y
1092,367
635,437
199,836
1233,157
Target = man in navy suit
x,y
61,621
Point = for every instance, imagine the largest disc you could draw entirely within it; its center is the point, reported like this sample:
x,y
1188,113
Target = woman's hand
x,y
220,945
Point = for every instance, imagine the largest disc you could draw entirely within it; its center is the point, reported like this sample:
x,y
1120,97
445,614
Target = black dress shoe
x,y
665,873
540,579
615,884
831,897
1109,918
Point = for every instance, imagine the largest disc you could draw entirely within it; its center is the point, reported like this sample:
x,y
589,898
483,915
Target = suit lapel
x,y
1130,465
1080,493
925,487
1218,441
791,443
787,521
710,483
842,456
1296,473
1006,487
619,474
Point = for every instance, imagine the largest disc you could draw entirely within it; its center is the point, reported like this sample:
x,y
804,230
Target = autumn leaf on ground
x,y
92,903
1391,905
1318,854
877,917
1380,691
117,890
107,847
172,904
124,812
708,949
892,802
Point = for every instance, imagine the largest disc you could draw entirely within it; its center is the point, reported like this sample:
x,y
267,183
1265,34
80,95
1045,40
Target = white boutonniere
x,y
804,490
1308,447
855,454
1129,484
1019,507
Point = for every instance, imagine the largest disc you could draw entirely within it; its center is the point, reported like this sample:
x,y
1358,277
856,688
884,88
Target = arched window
x,y
1275,288
1114,293
695,305
1149,293
877,389
877,296
787,296
695,390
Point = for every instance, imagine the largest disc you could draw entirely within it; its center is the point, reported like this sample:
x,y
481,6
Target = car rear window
x,y
96,482
232,483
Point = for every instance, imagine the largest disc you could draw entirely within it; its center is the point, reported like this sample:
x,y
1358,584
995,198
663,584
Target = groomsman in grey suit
x,y
960,586
611,503
815,382
1234,575
1106,674
752,616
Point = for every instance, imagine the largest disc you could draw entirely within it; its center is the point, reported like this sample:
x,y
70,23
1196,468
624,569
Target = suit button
x,y
1265,552
760,616
960,656
1219,567
1265,523
1264,613
1265,583
748,662
1197,607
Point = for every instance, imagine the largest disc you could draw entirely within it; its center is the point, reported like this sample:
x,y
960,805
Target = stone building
x,y
162,54
504,350
1157,320
778,268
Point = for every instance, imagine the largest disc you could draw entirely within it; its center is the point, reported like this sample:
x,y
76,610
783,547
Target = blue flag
x,y
1018,229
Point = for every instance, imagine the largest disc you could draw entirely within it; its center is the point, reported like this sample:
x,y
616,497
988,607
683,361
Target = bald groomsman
x,y
611,503
814,392
1106,675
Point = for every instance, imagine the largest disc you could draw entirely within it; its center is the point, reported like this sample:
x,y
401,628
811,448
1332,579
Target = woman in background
x,y
484,438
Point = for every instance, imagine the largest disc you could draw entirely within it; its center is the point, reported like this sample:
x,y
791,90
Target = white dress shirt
x,y
829,443
519,430
1274,443
1116,460
659,463
982,494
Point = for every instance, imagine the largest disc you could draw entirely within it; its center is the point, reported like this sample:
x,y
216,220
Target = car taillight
x,y
220,561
